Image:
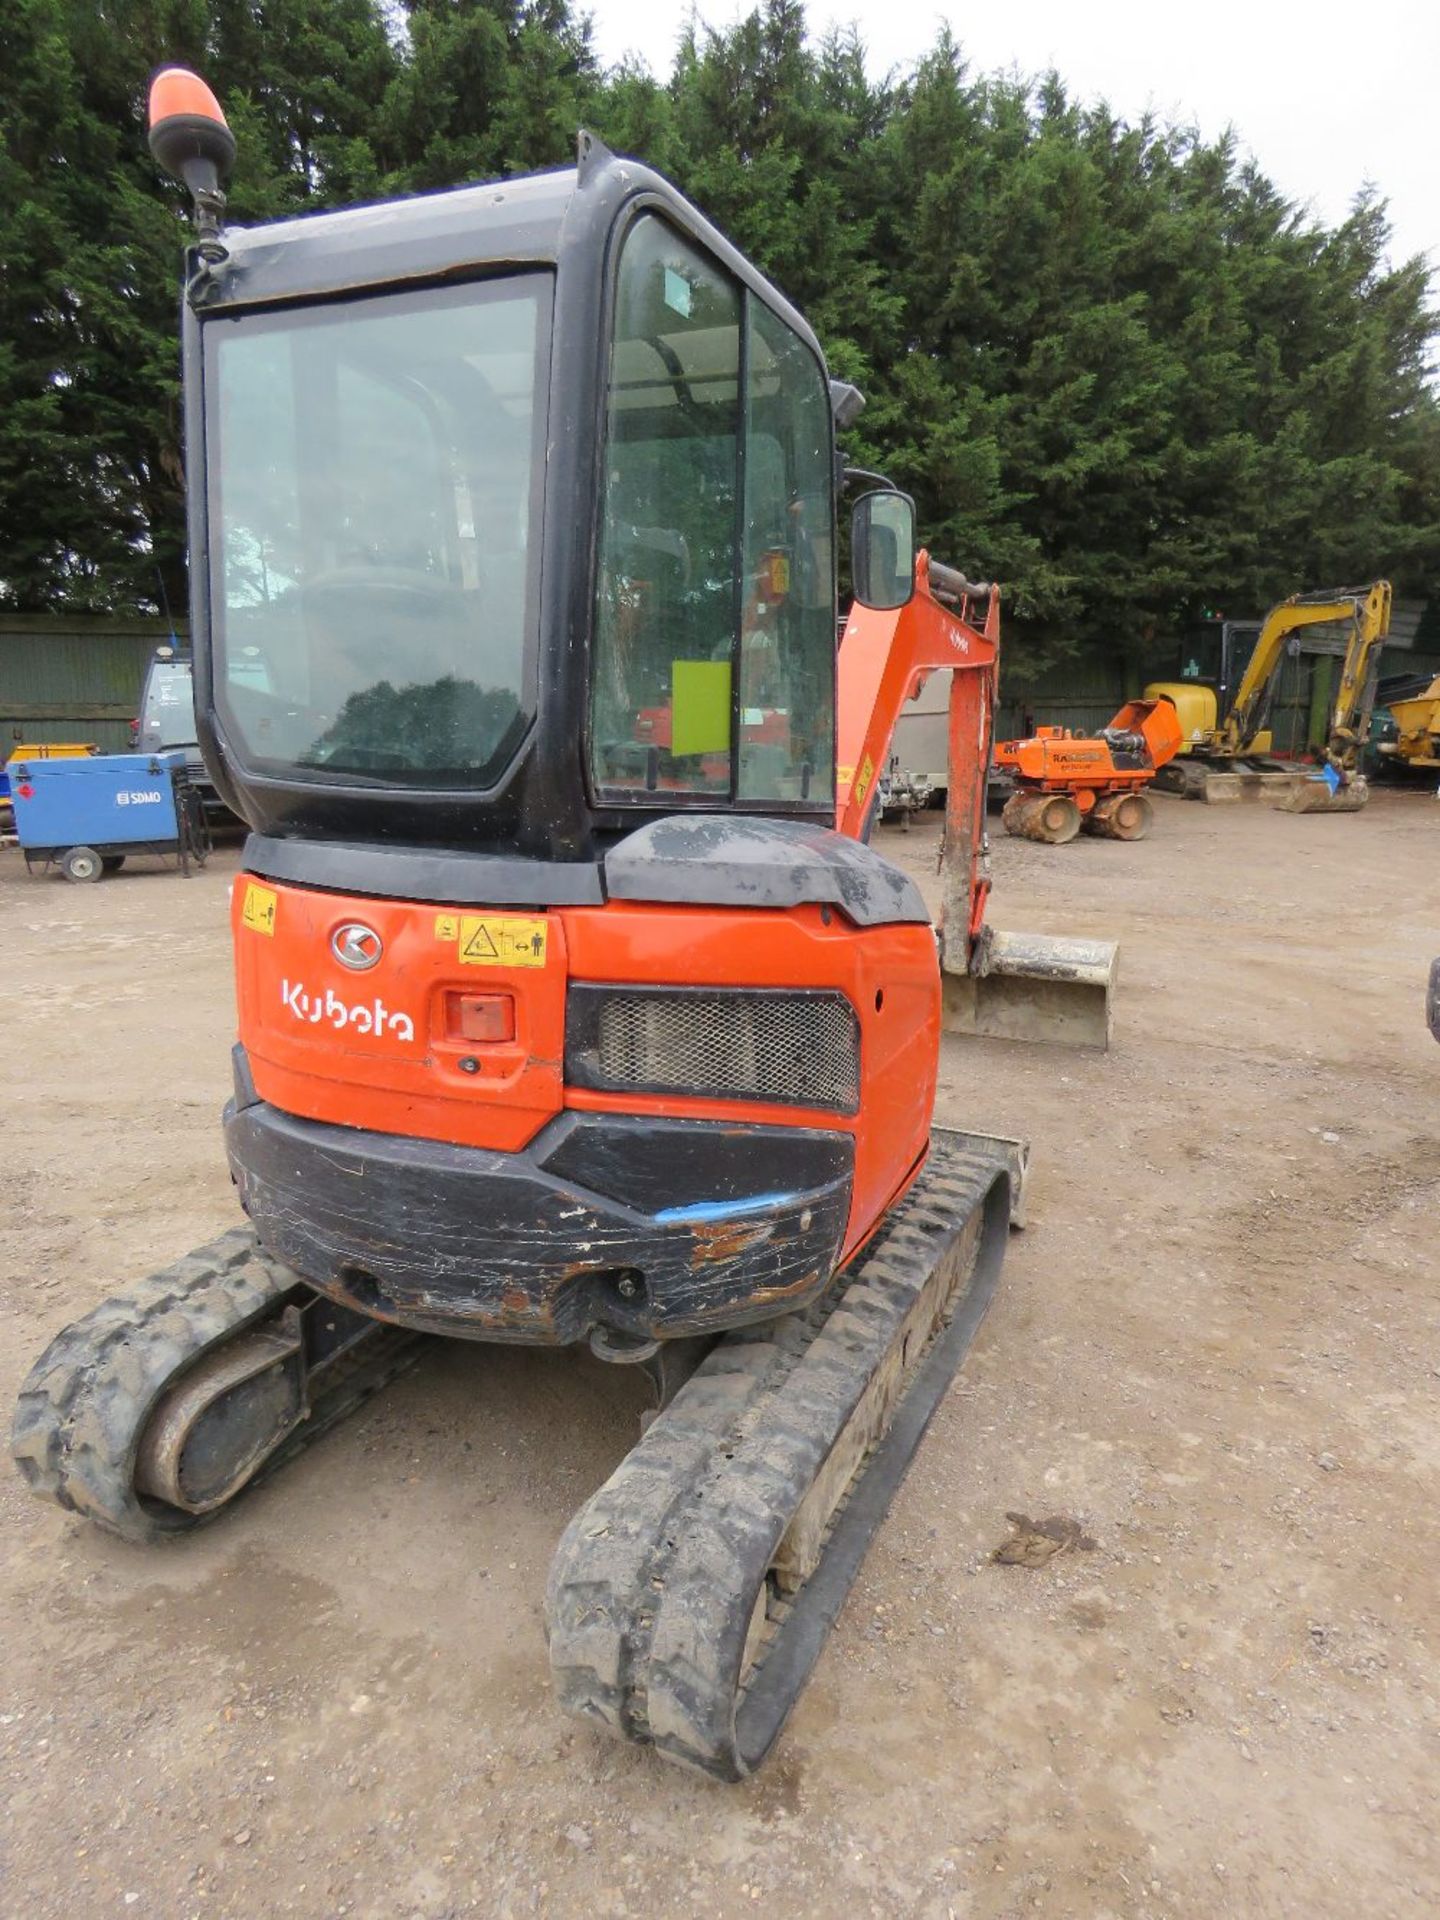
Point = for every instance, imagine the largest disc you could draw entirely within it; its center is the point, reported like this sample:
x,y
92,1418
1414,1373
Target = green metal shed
x,y
75,677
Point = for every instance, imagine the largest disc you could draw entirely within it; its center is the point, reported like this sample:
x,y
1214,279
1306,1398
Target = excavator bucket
x,y
1313,793
1034,986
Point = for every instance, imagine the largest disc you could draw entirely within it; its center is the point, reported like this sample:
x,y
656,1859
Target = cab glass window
x,y
787,622
167,708
373,531
714,620
665,609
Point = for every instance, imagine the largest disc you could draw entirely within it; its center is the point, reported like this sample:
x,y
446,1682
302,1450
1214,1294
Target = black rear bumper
x,y
649,1229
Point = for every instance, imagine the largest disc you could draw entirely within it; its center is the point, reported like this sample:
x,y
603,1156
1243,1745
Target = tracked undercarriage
x,y
690,1597
163,1403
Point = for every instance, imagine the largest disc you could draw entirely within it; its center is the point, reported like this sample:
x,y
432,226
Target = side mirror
x,y
882,550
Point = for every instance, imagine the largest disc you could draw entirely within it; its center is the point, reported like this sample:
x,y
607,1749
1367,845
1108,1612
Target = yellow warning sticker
x,y
867,774
502,940
447,926
258,912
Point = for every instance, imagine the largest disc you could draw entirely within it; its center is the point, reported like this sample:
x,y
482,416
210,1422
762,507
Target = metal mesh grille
x,y
799,1049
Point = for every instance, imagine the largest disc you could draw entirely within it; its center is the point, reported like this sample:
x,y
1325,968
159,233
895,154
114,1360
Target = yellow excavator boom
x,y
1368,611
1351,715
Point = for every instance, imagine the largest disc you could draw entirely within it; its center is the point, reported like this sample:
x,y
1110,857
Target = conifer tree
x,y
1118,369
91,475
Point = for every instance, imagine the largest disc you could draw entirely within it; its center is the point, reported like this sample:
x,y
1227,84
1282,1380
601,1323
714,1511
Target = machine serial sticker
x,y
867,774
258,912
447,926
502,940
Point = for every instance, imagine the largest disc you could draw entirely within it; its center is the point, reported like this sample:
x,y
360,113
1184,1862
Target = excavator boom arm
x,y
1361,607
1012,986
1351,713
885,657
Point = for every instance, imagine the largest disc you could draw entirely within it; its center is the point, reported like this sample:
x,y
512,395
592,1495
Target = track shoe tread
x,y
83,1407
660,1626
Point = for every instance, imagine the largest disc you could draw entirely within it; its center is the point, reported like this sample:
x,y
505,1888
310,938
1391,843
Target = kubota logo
x,y
356,946
312,1008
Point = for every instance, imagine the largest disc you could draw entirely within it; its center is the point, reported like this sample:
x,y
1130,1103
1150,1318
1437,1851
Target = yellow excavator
x,y
1415,710
1227,750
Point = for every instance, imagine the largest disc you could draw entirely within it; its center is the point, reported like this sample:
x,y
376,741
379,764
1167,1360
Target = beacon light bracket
x,y
190,139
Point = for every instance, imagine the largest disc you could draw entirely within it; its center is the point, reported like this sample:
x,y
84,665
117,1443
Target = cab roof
x,y
429,236
529,220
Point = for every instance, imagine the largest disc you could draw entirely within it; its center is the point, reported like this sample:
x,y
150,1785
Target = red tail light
x,y
486,1017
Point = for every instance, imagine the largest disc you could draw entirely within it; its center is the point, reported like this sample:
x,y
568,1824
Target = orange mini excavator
x,y
1065,781
574,1007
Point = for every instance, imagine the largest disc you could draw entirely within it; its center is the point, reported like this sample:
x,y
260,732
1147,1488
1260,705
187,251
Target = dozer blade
x,y
1219,789
1225,785
1272,786
1313,794
1035,986
690,1597
1002,1146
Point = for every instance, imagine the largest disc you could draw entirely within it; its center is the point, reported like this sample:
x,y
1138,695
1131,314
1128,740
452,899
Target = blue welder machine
x,y
85,815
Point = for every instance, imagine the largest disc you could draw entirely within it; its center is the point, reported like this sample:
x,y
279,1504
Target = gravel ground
x,y
1213,1364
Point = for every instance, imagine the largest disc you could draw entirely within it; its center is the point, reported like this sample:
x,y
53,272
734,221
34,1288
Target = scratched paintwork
x,y
494,1246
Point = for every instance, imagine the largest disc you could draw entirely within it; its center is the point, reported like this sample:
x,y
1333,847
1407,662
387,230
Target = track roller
x,y
163,1403
690,1597
1188,777
1052,818
1121,816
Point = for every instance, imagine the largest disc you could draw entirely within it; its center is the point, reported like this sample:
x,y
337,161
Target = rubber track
x,y
84,1405
654,1588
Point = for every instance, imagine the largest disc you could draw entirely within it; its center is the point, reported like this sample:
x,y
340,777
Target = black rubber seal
x,y
414,873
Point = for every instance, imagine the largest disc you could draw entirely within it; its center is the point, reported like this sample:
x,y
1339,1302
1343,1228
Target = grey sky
x,y
1326,96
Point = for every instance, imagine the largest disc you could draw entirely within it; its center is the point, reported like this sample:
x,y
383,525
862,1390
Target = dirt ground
x,y
1214,1349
